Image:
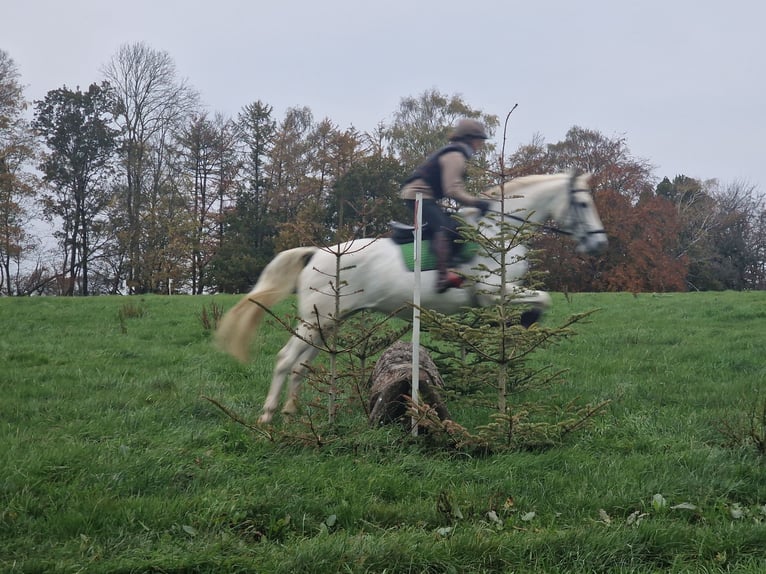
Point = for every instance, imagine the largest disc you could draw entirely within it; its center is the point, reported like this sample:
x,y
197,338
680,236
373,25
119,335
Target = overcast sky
x,y
683,81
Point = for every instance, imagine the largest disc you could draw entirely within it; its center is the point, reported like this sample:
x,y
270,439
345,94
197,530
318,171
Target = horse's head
x,y
565,198
577,216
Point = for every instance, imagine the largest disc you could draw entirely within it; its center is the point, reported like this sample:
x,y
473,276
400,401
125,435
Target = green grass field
x,y
112,460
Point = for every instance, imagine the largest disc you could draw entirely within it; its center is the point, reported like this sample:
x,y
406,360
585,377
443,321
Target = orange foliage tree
x,y
643,228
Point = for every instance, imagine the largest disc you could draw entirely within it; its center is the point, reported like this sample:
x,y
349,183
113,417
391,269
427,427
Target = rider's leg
x,y
441,249
441,245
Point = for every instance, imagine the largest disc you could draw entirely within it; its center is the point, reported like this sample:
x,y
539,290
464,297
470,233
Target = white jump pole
x,y
418,232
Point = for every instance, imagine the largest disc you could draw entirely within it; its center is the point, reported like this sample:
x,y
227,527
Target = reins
x,y
543,226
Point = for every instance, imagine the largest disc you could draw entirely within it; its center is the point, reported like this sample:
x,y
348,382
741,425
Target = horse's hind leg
x,y
296,378
286,358
290,361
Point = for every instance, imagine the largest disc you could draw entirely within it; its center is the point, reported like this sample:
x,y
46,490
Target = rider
x,y
442,175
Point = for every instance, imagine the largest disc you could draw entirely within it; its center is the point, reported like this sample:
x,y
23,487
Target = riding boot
x,y
441,249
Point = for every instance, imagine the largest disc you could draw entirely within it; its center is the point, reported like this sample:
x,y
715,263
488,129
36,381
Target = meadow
x,y
113,461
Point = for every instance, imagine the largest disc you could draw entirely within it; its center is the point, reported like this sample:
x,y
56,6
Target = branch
x,y
239,420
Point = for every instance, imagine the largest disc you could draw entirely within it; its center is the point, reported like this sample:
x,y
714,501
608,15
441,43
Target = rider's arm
x,y
452,169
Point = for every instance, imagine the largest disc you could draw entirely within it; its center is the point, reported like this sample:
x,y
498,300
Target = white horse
x,y
373,275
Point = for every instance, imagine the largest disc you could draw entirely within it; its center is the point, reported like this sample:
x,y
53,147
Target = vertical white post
x,y
416,305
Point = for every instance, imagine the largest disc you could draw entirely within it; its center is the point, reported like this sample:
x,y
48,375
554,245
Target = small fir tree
x,y
485,351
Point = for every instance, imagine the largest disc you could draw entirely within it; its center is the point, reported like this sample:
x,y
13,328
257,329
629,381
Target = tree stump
x,y
391,381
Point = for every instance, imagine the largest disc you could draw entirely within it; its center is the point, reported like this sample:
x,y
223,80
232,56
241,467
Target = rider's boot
x,y
445,278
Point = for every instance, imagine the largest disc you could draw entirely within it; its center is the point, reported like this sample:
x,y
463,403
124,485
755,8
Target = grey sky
x,y
682,80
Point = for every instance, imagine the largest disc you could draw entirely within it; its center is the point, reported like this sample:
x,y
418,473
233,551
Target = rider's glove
x,y
483,205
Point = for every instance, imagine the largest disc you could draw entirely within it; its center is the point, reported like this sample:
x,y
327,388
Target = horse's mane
x,y
511,188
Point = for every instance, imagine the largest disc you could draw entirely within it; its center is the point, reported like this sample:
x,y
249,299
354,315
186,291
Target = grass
x,y
113,461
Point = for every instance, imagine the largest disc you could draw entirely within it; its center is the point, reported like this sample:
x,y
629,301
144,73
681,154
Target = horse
x,y
370,273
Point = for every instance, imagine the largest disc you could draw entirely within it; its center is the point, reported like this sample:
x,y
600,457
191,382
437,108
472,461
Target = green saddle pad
x,y
467,251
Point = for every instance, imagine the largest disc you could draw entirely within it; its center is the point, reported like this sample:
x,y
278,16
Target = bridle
x,y
574,213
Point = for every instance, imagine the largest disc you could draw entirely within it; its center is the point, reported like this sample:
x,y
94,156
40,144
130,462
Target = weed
x,y
746,429
127,311
210,318
130,310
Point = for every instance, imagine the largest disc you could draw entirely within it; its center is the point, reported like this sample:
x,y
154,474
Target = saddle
x,y
403,234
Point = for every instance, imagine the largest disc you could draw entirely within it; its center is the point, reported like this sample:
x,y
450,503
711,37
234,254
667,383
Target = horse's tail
x,y
278,280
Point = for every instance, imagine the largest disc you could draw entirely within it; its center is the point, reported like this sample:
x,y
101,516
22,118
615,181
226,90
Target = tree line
x,y
148,193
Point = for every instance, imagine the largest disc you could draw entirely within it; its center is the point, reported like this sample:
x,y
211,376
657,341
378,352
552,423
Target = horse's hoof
x,y
290,407
530,317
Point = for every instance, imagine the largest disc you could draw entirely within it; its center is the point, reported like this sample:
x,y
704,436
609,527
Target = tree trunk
x,y
391,381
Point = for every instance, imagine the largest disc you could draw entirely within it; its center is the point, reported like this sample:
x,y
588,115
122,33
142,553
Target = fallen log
x,y
391,385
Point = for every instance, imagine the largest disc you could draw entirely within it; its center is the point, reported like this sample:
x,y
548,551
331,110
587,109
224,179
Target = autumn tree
x,y
206,169
247,226
366,198
336,153
643,231
17,147
76,128
730,239
290,158
643,248
324,153
529,158
151,102
328,153
290,173
695,209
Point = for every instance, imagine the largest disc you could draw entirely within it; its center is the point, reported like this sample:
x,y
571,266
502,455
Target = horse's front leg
x,y
538,301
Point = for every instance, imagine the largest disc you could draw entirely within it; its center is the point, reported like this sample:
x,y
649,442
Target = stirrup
x,y
449,281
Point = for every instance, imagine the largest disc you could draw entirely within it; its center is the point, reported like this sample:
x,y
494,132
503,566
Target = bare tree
x,y
151,103
737,234
721,231
757,278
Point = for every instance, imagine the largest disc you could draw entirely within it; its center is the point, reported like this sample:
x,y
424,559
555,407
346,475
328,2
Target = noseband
x,y
575,209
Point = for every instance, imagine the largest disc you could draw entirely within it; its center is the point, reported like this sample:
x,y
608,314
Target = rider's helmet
x,y
468,129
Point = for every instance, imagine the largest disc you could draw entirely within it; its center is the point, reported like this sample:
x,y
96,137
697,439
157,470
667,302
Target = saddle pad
x,y
428,259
